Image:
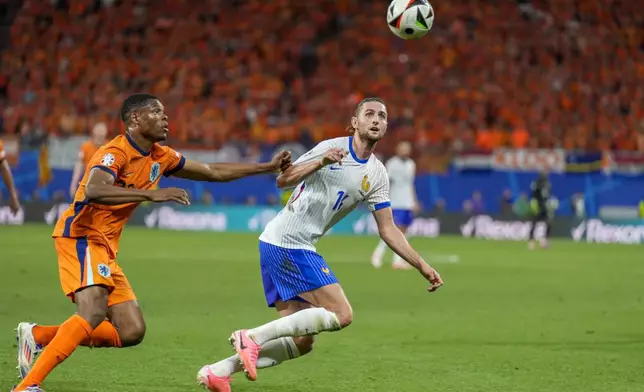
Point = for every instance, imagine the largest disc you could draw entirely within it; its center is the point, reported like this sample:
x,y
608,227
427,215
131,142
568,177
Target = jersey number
x,y
341,198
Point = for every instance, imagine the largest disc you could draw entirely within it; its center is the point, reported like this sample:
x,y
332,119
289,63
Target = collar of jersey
x,y
353,153
136,146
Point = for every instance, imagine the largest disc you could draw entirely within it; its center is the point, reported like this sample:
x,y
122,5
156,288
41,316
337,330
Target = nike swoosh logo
x,y
335,168
241,342
128,174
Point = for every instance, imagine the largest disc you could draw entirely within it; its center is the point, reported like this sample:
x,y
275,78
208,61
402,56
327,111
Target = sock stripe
x,y
289,350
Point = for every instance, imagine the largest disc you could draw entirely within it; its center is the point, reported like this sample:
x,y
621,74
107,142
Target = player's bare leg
x,y
217,377
128,320
397,262
332,312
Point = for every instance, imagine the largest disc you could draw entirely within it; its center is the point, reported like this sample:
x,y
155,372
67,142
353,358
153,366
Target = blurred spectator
x,y
439,208
507,201
273,200
477,203
549,74
578,205
251,201
521,206
207,198
468,207
31,137
59,196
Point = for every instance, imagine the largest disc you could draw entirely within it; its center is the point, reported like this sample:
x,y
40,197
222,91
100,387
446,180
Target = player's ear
x,y
354,122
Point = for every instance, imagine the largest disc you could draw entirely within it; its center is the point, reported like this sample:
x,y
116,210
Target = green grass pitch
x,y
566,319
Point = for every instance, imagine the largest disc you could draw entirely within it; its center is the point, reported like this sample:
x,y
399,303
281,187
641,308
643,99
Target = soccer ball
x,y
410,19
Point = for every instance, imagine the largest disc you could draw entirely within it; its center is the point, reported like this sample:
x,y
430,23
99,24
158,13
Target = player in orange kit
x,y
87,151
7,178
121,175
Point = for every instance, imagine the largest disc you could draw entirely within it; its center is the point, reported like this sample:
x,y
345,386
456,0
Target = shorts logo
x,y
326,270
107,160
104,271
365,184
155,170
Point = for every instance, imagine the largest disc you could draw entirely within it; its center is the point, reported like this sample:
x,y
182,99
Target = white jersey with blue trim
x,y
402,173
327,196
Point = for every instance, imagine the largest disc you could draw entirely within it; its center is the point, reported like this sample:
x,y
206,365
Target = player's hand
x,y
333,155
281,161
14,206
170,194
433,277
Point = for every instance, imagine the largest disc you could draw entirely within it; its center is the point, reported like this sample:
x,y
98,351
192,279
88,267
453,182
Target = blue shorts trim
x,y
286,273
403,217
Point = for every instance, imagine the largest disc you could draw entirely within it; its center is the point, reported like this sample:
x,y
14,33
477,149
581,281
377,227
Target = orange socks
x,y
44,334
105,335
70,335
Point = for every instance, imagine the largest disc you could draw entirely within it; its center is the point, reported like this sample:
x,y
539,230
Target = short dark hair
x,y
134,102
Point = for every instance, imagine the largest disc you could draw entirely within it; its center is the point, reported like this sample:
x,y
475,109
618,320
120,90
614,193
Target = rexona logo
x,y
55,212
484,226
169,218
8,218
594,230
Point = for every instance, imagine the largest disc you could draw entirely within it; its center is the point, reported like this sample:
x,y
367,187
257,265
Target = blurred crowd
x,y
540,73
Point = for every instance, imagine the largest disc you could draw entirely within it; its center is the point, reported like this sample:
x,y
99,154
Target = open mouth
x,y
374,129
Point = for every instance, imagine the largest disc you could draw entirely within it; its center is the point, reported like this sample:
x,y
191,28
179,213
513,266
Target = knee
x,y
344,315
304,344
132,334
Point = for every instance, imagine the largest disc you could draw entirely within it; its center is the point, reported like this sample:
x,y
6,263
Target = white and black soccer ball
x,y
410,19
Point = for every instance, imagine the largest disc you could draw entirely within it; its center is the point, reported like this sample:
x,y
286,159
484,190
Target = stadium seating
x,y
494,73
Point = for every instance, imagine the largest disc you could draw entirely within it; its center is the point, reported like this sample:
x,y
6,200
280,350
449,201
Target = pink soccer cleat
x,y
248,351
207,379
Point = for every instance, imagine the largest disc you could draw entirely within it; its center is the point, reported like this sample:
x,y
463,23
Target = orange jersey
x,y
131,167
87,151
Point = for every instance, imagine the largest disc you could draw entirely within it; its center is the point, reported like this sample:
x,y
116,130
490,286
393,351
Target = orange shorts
x,y
83,263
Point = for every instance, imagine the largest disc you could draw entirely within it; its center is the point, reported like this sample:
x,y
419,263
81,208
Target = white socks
x,y
380,249
376,259
305,322
273,353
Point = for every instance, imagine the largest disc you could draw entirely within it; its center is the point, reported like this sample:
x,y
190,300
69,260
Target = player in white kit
x,y
404,204
331,180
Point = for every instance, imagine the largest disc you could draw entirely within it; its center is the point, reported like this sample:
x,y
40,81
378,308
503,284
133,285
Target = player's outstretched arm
x,y
100,189
397,241
7,177
298,172
224,172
